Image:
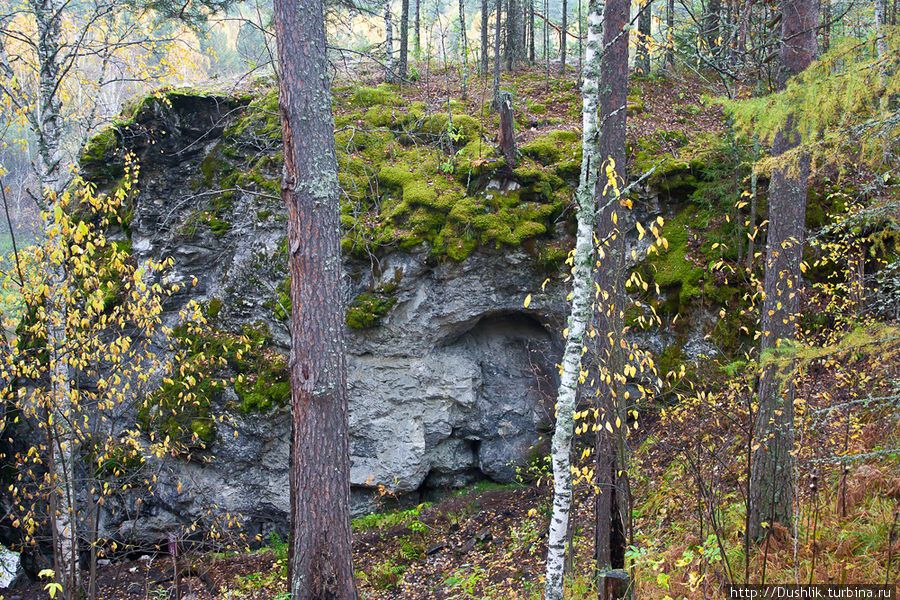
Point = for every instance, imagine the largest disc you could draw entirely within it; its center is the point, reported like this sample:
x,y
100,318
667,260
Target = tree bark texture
x,y
562,37
320,564
404,39
580,314
607,355
48,125
771,476
418,27
515,47
507,137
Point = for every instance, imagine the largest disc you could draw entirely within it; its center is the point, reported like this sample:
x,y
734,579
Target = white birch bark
x,y
48,16
580,312
388,43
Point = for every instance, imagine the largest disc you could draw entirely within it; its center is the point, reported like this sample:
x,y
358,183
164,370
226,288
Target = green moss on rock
x,y
368,308
552,147
100,159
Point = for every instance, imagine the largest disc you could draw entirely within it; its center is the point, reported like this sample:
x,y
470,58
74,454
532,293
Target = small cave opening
x,y
515,357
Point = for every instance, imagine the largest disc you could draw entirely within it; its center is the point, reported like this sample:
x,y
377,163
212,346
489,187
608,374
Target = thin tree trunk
x,y
670,33
404,39
320,563
881,46
497,7
826,25
743,27
531,31
580,313
49,132
752,231
772,472
547,43
642,57
580,42
388,43
483,65
524,29
611,509
711,25
562,37
418,26
464,48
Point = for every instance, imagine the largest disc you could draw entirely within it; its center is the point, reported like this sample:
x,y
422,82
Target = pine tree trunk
x,y
320,563
515,50
642,56
580,313
404,39
388,43
607,355
772,476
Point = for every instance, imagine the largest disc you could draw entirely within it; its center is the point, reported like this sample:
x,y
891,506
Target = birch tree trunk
x,y
49,132
320,562
388,43
580,313
772,471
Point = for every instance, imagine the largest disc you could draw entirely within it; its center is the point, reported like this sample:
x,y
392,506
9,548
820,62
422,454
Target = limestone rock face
x,y
452,381
454,384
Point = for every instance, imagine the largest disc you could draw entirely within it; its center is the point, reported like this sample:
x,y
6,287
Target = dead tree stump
x,y
507,136
614,585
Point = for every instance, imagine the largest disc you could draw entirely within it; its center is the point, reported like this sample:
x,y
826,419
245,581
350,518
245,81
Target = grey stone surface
x,y
454,385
